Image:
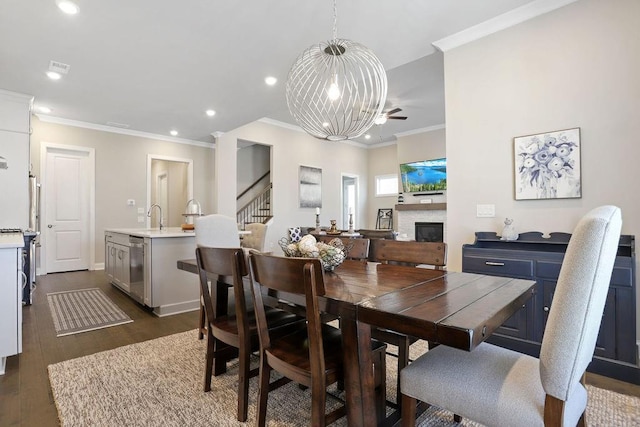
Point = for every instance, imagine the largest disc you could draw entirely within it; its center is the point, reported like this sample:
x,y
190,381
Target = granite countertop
x,y
153,233
11,240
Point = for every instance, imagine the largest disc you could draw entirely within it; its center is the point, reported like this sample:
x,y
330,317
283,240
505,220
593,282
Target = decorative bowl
x,y
331,254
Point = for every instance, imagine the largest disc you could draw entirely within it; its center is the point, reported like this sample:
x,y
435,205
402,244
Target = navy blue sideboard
x,y
539,258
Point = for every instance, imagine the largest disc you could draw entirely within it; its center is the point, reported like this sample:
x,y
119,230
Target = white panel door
x,y
67,210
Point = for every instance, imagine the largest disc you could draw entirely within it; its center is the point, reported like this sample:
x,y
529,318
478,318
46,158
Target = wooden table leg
x,y
358,372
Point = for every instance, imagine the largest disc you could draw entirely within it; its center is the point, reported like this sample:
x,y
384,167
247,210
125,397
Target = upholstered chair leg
x,y
243,383
209,362
408,411
582,422
553,411
263,393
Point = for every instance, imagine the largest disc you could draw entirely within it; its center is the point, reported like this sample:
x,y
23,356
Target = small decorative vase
x,y
509,232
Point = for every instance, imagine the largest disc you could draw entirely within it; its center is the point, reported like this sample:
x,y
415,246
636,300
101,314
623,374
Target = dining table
x,y
456,309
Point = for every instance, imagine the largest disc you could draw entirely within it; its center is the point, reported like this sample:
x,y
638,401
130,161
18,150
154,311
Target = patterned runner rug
x,y
159,382
83,310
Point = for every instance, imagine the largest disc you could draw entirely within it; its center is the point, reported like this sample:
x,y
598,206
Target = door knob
x,y
50,225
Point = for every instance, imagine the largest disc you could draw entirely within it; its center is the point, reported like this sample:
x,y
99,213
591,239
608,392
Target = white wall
x,y
575,67
121,171
290,149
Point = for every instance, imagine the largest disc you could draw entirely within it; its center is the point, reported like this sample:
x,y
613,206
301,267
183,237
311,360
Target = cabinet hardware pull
x,y
497,264
546,309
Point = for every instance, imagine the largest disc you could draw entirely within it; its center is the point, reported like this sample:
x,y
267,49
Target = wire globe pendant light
x,y
336,89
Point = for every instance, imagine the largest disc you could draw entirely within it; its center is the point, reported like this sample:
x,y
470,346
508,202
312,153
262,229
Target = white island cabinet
x,y
11,282
148,272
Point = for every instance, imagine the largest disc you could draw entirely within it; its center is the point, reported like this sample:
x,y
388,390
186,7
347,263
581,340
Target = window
x,y
386,185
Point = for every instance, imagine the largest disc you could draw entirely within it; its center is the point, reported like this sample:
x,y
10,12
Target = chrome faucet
x,y
155,205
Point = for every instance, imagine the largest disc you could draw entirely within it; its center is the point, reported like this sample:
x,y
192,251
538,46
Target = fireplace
x,y
429,231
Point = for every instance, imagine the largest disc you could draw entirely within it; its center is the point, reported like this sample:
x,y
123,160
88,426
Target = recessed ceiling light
x,y
380,120
173,132
53,75
68,7
367,136
43,109
210,113
270,80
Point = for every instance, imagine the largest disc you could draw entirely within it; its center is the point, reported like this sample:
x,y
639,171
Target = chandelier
x,y
336,89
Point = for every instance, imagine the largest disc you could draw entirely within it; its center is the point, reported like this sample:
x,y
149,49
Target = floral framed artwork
x,y
310,187
547,165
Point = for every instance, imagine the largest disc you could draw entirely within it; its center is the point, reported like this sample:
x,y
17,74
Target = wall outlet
x,y
131,202
140,219
485,211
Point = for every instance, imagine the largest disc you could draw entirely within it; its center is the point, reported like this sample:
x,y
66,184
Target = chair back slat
x,y
578,302
222,262
412,253
358,249
301,276
284,274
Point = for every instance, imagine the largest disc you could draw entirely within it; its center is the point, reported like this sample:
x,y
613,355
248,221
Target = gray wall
x,y
575,67
121,171
386,160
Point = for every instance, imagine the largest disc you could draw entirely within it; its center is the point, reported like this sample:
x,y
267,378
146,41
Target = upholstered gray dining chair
x,y
214,231
500,387
257,238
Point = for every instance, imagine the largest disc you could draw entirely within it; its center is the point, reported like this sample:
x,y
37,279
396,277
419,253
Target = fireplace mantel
x,y
422,207
410,213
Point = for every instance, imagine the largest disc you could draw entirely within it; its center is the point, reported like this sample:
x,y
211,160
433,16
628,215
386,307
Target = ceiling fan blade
x,y
397,117
395,110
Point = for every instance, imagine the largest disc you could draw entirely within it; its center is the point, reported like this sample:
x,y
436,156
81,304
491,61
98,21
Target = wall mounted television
x,y
426,175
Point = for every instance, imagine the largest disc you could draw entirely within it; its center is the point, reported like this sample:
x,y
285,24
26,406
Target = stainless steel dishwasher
x,y
136,268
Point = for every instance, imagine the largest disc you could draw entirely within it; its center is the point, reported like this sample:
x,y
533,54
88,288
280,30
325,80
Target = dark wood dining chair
x,y
301,356
228,334
214,231
411,253
357,249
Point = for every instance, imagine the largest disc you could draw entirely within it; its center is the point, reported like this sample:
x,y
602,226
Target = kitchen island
x,y
142,263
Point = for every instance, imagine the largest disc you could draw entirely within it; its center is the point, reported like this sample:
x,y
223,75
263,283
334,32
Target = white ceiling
x,y
157,65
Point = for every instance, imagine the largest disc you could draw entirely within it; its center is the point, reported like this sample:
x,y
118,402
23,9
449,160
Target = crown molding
x,y
421,130
281,124
16,97
129,132
499,23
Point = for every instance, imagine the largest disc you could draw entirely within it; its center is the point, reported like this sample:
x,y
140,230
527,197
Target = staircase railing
x,y
266,174
258,209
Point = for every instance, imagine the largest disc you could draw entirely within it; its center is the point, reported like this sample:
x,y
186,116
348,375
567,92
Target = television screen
x,y
427,175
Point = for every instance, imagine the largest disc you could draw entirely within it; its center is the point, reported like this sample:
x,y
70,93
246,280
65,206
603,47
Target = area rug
x,y
83,310
159,382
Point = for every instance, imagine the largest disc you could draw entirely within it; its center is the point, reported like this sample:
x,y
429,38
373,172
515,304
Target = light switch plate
x,y
140,219
485,211
131,202
141,211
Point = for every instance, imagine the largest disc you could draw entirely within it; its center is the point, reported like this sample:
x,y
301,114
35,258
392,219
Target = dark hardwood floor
x,y
25,396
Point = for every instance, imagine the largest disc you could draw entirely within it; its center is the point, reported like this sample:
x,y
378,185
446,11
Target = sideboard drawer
x,y
499,266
